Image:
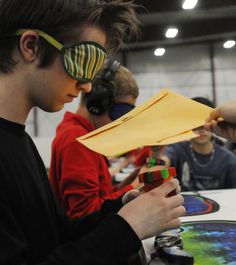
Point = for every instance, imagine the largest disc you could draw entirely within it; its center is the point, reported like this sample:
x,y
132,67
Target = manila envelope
x,y
166,118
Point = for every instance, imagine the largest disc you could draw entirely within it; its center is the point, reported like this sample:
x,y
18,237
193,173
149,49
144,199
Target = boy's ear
x,y
28,45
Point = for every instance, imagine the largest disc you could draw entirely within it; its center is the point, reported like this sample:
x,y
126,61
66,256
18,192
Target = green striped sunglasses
x,y
81,61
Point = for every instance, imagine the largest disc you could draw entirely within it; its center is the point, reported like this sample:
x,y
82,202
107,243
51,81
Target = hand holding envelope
x,y
163,119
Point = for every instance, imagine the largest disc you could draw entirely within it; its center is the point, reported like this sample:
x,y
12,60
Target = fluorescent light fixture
x,y
171,33
229,44
159,52
189,4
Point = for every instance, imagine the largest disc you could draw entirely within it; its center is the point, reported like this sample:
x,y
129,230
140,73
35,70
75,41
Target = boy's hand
x,y
154,212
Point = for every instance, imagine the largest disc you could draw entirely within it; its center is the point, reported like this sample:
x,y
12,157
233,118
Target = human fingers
x,y
214,115
178,189
178,211
176,200
210,125
222,128
167,187
174,221
226,111
130,195
172,224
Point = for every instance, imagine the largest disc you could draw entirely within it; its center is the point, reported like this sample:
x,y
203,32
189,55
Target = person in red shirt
x,y
140,155
80,177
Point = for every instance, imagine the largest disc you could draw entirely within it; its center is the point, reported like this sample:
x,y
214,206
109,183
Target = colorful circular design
x,y
198,205
210,242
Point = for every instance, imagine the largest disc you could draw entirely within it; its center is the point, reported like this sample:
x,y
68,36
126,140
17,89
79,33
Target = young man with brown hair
x,y
44,62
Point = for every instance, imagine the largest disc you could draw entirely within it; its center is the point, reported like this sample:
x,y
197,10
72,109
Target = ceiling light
x,y
159,52
229,44
171,32
189,4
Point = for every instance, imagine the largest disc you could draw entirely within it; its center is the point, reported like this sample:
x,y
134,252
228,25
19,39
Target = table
x,y
227,211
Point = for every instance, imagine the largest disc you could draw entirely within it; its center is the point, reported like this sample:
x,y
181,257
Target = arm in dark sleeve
x,y
13,245
110,242
83,225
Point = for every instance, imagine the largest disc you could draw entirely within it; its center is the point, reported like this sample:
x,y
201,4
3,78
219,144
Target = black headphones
x,y
100,99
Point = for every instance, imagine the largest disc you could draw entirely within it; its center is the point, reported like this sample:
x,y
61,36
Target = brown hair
x,y
59,18
124,84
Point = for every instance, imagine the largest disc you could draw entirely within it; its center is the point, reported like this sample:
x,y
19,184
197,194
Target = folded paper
x,y
164,119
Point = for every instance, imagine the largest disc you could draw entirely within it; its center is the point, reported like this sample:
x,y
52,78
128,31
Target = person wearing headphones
x,y
79,176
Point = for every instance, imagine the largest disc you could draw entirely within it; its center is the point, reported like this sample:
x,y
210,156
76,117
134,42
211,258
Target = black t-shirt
x,y
202,172
34,230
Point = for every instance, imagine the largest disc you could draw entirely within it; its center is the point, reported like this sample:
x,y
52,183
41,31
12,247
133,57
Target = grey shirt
x,y
200,172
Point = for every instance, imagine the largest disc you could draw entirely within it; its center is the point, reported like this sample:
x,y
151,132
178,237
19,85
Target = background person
x,y
201,163
79,176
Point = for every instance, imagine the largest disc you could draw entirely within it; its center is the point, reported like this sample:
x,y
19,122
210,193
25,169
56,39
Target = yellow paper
x,y
165,118
177,138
